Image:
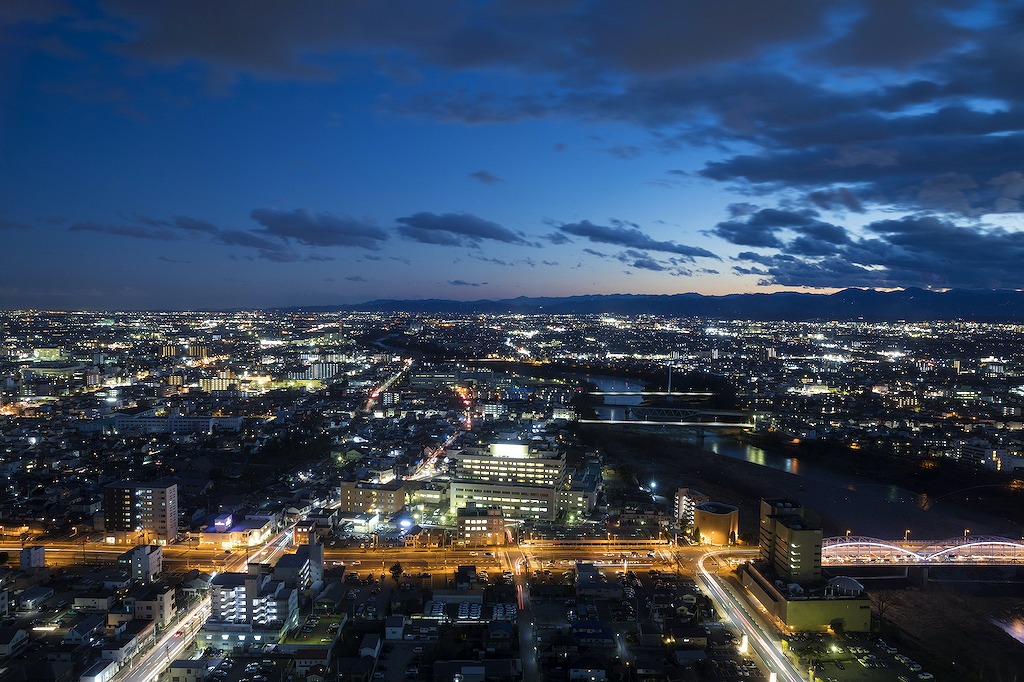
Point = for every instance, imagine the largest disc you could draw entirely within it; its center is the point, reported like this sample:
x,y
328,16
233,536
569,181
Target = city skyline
x,y
189,155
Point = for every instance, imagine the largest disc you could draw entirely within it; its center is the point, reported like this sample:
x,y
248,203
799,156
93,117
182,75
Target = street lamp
x,y
847,534
906,535
967,532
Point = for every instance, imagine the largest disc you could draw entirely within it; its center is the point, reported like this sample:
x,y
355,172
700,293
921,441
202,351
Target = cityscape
x,y
272,495
511,341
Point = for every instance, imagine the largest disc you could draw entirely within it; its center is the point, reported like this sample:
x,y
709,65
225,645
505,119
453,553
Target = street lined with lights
x,y
758,634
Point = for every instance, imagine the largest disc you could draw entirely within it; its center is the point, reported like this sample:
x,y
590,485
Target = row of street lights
x,y
906,534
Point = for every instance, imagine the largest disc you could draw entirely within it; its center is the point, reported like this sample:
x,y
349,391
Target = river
x,y
845,501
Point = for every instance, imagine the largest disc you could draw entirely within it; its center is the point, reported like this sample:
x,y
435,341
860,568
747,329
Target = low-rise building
x,y
480,525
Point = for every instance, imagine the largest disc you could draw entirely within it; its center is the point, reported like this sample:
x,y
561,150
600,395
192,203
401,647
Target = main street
x,y
521,560
760,635
169,646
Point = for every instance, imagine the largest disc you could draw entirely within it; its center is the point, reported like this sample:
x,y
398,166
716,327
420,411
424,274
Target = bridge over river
x,y
966,550
687,416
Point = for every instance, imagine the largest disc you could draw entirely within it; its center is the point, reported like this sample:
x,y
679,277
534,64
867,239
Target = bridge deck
x,y
856,550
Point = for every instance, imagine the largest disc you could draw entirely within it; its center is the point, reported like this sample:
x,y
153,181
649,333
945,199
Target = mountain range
x,y
848,304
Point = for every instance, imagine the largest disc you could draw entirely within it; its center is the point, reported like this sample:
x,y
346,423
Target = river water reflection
x,y
845,501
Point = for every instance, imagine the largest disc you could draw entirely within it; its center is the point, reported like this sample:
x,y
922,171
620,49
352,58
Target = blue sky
x,y
249,154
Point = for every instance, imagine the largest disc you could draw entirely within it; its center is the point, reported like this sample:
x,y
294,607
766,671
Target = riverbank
x,y
845,501
974,494
954,635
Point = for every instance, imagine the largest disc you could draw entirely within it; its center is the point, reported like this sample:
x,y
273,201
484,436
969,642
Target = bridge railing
x,y
866,550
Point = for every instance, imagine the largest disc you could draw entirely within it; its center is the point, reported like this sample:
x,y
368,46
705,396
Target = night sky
x,y
199,154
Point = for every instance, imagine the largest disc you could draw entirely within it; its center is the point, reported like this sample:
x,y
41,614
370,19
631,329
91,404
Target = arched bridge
x,y
983,549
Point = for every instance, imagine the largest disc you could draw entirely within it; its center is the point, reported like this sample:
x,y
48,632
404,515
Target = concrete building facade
x,y
138,513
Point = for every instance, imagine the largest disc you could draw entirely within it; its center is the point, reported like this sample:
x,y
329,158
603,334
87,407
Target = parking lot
x,y
855,657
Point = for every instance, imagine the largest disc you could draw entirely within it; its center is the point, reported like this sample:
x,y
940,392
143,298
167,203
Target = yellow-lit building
x,y
842,604
511,463
386,498
717,523
790,541
480,526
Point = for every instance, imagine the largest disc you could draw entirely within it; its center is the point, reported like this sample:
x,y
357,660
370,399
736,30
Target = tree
x,y
696,535
883,601
396,571
4,557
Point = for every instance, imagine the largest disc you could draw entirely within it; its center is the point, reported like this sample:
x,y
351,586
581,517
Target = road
x,y
760,635
168,648
374,394
520,560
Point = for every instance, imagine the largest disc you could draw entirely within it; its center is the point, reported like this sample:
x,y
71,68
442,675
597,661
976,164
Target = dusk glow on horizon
x,y
202,155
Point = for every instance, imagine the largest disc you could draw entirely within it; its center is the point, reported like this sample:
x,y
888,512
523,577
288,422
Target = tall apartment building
x,y
249,609
141,513
790,541
687,500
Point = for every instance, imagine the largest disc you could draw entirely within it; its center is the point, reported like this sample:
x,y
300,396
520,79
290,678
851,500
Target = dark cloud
x,y
195,225
172,260
897,34
133,231
919,251
158,229
12,225
249,240
621,235
485,177
747,234
305,38
762,228
455,229
319,229
495,261
355,278
464,283
836,198
640,261
557,238
592,252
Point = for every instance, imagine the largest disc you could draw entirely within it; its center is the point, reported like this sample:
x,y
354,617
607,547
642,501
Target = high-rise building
x,y
141,513
790,541
249,609
686,500
198,350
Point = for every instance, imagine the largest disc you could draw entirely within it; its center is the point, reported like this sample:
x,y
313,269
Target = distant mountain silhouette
x,y
848,304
